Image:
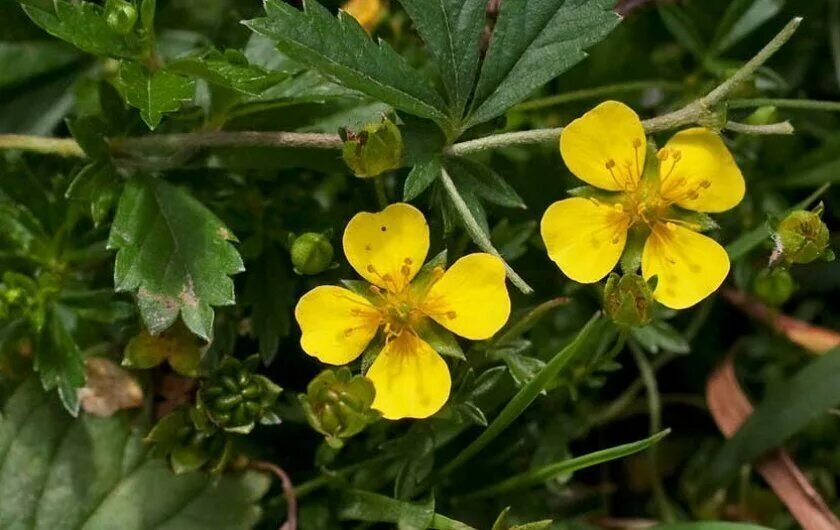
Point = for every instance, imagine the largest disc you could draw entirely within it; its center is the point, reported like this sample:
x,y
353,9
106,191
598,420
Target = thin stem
x,y
288,491
655,415
834,35
772,128
228,139
477,232
41,144
381,194
589,93
807,104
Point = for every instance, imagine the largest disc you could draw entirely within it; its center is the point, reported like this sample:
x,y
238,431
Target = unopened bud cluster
x,y
628,300
312,253
337,405
377,148
803,237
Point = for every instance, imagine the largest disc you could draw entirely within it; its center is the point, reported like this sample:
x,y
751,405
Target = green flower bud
x,y
773,286
120,15
377,148
802,237
628,300
189,445
311,253
337,404
235,399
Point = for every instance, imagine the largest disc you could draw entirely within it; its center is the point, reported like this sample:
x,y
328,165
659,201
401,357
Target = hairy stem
x,y
477,233
41,144
806,104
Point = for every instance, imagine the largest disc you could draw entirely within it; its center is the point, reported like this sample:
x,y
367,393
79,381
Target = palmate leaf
x,y
339,48
60,473
452,30
175,253
153,93
533,42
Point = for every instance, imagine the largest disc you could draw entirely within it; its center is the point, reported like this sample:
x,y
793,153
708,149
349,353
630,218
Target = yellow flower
x,y
388,249
366,12
586,236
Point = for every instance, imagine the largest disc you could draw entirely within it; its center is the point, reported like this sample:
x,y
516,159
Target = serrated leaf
x,y
338,47
533,42
174,253
93,473
83,24
98,185
220,70
421,177
59,362
451,30
153,93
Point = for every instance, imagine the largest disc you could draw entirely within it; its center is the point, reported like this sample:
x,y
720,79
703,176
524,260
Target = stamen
x,y
636,145
663,154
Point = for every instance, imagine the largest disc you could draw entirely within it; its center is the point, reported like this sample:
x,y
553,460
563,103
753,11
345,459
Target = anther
x,y
405,270
348,332
615,239
663,154
706,184
371,269
451,315
610,163
677,155
408,261
636,143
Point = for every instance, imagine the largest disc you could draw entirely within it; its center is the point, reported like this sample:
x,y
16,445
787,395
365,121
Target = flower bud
x,y
189,442
628,300
773,286
377,148
337,404
120,15
802,237
234,398
311,253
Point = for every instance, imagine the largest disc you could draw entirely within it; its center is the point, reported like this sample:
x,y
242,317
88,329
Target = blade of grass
x,y
537,476
526,395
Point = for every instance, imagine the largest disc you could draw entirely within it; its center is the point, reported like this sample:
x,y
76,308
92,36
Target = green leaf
x,y
502,523
59,361
421,177
175,253
533,42
357,505
21,61
83,25
741,18
269,293
539,475
526,395
484,182
153,93
683,28
661,336
58,473
452,32
230,70
786,410
98,185
339,48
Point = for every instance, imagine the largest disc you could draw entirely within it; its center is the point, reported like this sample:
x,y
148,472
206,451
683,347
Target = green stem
x,y
783,127
596,92
381,194
807,104
655,412
834,35
477,233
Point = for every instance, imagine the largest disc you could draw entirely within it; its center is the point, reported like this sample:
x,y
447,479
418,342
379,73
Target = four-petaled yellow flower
x,y
606,148
388,249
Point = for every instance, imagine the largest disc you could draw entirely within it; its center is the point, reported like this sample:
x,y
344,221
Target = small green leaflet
x,y
533,42
421,177
59,361
154,93
60,473
338,47
452,31
230,70
175,253
83,24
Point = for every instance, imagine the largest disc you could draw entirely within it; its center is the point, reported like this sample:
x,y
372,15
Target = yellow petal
x,y
366,12
410,378
688,266
389,247
584,238
471,299
336,324
611,135
699,173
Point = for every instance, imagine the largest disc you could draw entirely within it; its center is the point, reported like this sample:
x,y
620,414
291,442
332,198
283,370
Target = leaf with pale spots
x,y
174,253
